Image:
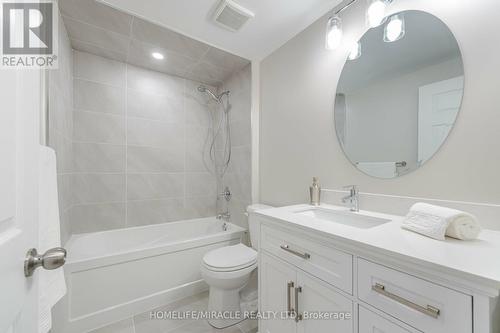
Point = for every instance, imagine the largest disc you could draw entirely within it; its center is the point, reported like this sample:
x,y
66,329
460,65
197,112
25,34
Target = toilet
x,y
227,271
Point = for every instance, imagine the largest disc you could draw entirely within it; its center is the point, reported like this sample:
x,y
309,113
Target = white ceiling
x,y
275,21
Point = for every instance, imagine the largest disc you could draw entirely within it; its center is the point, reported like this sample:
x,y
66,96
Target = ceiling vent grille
x,y
231,15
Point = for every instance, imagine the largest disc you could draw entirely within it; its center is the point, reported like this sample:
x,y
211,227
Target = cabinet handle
x,y
289,287
298,254
428,310
298,316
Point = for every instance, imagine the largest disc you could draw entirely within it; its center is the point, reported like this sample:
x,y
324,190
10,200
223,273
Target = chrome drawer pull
x,y
429,310
298,316
289,287
298,254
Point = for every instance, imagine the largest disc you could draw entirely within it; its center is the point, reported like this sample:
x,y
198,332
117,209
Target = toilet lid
x,y
230,257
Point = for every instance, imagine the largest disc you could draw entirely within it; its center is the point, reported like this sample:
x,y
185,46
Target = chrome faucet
x,y
352,198
224,216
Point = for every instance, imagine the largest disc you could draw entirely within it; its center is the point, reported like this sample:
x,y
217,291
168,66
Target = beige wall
x,y
297,138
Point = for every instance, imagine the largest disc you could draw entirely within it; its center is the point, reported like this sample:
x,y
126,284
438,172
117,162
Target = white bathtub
x,y
115,274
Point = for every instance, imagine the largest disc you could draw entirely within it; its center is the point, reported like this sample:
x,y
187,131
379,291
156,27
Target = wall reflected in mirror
x,y
399,96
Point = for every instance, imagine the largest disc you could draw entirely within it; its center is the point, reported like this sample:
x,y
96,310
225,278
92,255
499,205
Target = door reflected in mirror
x,y
397,102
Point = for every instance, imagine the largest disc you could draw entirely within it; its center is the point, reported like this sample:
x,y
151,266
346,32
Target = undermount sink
x,y
353,219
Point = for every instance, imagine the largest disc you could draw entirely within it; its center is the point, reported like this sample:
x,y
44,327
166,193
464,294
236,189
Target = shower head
x,y
216,97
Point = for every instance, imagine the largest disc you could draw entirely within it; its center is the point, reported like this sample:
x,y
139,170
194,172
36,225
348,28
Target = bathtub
x,y
113,275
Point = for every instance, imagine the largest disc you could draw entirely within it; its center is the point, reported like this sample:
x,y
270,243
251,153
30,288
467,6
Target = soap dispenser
x,y
315,192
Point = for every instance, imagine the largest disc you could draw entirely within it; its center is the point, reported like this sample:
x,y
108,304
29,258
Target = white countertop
x,y
477,261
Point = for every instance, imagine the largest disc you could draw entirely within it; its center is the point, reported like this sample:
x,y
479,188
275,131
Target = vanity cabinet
x,y
304,273
369,322
293,299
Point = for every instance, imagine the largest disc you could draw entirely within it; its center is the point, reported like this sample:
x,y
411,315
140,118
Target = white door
x,y
277,282
439,103
20,93
317,298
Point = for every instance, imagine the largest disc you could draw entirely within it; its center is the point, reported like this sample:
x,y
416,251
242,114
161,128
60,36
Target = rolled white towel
x,y
436,222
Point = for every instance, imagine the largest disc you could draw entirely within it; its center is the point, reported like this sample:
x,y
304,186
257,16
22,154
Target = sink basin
x,y
352,219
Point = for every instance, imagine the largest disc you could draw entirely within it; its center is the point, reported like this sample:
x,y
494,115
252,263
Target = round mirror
x,y
399,94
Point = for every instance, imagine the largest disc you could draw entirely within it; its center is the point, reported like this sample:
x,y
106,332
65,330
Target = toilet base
x,y
224,303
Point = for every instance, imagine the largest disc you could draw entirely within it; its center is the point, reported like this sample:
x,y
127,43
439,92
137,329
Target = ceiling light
x,y
355,52
395,28
333,33
157,55
375,14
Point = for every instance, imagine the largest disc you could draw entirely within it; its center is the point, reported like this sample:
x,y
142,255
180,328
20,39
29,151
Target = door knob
x,y
52,259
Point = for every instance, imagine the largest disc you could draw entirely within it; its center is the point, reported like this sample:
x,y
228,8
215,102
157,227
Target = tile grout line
x,y
184,114
126,148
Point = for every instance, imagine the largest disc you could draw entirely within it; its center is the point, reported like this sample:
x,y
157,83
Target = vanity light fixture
x,y
157,55
375,14
355,51
395,28
334,29
333,33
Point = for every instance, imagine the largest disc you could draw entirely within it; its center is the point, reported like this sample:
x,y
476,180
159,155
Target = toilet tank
x,y
253,224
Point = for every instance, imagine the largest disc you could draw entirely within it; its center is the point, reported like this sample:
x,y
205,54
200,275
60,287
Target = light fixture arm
x,y
347,5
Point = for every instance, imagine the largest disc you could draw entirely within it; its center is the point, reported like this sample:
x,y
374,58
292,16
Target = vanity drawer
x,y
370,322
325,262
424,305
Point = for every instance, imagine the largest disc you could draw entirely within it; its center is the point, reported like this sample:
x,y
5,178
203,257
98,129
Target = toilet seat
x,y
230,258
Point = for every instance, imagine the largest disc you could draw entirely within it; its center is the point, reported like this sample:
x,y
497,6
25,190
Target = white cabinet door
x,y
369,322
277,280
317,298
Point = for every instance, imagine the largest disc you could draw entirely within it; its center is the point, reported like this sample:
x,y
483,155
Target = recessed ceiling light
x,y
157,55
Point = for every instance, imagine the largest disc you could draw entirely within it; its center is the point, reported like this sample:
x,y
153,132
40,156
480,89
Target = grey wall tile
x,y
143,132
155,186
61,110
240,107
99,188
200,184
199,206
197,113
148,159
102,51
155,107
92,96
65,191
98,69
241,160
153,82
95,157
97,36
97,14
64,151
173,63
168,39
98,127
98,217
223,59
146,212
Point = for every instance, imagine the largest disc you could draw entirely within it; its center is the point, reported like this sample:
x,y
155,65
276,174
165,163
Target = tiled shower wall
x,y
61,127
138,140
238,177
